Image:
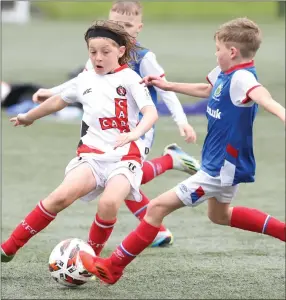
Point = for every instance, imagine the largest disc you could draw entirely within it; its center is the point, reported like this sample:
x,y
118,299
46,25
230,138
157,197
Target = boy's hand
x,y
21,119
41,95
156,81
187,131
126,138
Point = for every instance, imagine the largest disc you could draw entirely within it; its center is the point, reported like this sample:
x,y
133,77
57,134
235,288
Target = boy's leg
x,y
191,192
77,183
164,236
173,158
121,181
257,221
245,218
110,270
108,207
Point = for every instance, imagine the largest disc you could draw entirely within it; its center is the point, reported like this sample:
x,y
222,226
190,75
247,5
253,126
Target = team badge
x,y
121,91
217,92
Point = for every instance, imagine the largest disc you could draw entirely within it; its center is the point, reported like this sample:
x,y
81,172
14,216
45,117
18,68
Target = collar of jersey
x,y
125,66
240,66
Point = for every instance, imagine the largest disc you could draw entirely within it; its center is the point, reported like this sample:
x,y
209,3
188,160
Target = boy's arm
x,y
146,106
148,66
53,104
201,90
262,97
244,87
174,105
59,88
50,106
43,94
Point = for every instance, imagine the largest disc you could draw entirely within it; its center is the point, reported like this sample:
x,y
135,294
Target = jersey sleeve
x,y
242,83
213,75
69,94
59,88
150,66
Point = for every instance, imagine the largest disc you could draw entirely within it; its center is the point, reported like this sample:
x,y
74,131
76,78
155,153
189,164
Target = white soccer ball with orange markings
x,y
65,265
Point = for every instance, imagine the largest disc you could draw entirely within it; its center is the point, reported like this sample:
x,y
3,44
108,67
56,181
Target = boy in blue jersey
x,y
129,15
227,157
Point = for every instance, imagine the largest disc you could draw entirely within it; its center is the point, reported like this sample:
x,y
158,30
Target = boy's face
x,y
104,55
132,24
225,55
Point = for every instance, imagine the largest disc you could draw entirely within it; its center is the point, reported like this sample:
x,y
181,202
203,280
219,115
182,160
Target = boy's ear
x,y
121,51
233,52
140,27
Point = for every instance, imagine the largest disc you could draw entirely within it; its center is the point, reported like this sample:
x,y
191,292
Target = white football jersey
x,y
111,105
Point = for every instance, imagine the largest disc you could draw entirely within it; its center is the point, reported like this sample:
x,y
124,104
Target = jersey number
x,y
120,121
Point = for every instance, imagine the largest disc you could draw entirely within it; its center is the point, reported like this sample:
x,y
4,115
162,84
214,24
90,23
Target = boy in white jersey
x,y
227,158
129,15
111,154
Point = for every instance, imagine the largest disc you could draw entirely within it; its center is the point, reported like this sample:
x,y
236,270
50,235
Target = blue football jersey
x,y
228,147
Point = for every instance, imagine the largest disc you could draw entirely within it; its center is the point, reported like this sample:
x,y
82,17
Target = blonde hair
x,y
128,41
241,33
130,8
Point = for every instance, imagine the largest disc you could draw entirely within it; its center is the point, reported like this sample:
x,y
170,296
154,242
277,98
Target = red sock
x,y
139,208
35,221
155,167
257,221
99,233
134,244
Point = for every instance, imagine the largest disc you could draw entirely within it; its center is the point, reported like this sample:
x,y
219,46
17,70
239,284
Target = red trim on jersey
x,y
85,149
207,78
231,151
163,75
133,153
240,66
247,98
121,68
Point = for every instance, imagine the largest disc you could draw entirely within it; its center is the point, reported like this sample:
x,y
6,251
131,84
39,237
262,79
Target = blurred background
x,y
43,40
42,46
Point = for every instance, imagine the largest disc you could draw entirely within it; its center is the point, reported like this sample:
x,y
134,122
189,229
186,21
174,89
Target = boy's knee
x,y
57,201
218,218
155,209
108,207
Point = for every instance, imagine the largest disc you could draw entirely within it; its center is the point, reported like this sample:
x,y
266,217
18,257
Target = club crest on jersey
x,y
217,92
121,91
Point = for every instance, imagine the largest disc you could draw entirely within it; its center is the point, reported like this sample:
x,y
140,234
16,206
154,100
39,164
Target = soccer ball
x,y
65,265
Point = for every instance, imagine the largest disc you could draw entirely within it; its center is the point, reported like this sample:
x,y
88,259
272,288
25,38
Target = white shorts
x,y
103,171
148,141
201,186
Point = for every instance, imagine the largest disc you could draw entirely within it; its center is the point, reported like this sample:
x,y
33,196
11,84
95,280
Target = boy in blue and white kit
x,y
227,157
